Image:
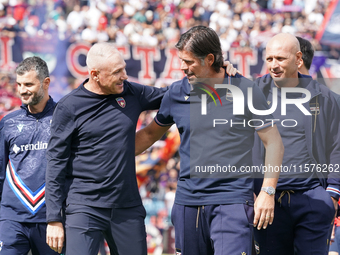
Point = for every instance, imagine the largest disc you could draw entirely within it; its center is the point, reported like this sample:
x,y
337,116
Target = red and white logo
x,y
121,102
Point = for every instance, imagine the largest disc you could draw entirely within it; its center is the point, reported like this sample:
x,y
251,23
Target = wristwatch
x,y
269,190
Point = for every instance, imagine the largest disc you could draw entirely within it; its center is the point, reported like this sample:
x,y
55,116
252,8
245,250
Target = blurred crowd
x,y
243,24
159,23
8,99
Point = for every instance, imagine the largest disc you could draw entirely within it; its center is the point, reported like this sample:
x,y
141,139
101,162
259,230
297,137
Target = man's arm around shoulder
x,y
148,135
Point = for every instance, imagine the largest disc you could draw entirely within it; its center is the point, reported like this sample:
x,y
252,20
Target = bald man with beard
x,y
307,194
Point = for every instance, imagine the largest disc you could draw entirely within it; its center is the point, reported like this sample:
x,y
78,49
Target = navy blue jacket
x,y
322,131
23,144
91,153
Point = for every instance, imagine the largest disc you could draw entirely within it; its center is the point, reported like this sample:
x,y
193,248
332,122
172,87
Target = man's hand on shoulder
x,y
230,69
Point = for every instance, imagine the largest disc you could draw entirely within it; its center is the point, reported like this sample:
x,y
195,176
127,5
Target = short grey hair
x,y
99,52
33,64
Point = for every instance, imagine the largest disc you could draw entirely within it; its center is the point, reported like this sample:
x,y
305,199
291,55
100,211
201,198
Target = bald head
x,y
287,41
99,54
283,57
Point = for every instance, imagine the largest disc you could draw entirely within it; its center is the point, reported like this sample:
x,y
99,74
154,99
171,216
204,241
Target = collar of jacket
x,y
50,104
306,82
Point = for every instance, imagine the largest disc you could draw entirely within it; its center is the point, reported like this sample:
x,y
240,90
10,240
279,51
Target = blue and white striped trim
x,y
33,201
333,190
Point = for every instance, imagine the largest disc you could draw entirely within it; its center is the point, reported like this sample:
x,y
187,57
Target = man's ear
x,y
46,82
299,60
210,58
94,74
301,63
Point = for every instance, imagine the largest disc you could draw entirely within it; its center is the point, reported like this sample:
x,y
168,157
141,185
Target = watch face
x,y
271,191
